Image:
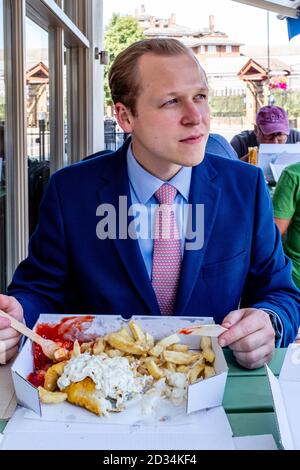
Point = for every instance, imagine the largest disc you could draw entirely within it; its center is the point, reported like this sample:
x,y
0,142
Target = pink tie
x,y
166,251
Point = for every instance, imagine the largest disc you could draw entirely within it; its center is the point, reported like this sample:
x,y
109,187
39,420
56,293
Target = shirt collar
x,y
145,184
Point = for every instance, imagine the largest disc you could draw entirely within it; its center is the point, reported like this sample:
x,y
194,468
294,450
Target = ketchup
x,y
64,334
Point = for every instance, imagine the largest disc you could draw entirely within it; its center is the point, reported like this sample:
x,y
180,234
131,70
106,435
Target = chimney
x,y
173,19
152,21
212,23
136,13
161,24
143,10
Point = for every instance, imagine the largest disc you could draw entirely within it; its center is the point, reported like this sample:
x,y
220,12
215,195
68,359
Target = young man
x,y
272,127
86,255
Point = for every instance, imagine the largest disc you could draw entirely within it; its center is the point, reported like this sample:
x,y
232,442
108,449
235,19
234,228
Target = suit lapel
x,y
203,191
117,184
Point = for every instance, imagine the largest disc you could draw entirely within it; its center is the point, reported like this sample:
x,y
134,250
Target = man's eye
x,y
169,102
200,97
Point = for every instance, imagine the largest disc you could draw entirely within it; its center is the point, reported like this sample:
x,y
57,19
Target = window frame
x,y
85,136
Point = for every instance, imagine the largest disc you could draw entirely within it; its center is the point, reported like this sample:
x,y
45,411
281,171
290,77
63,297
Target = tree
x,y
121,32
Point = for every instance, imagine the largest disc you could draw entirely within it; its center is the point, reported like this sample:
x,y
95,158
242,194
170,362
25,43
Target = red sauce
x,y
185,331
63,333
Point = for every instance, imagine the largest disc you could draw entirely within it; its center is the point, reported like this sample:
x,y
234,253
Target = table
x,y
247,398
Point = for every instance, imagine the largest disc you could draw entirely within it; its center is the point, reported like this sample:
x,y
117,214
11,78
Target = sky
x,y
242,23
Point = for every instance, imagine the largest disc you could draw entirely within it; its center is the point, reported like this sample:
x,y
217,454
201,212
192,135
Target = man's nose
x,y
191,114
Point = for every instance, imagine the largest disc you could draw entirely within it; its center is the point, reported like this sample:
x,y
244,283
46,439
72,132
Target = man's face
x,y
171,124
275,138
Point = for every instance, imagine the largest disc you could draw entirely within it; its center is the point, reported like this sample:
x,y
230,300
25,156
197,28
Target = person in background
x,y
272,127
286,203
218,145
227,261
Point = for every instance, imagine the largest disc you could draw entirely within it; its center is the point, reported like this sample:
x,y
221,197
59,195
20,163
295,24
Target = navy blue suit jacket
x,y
70,270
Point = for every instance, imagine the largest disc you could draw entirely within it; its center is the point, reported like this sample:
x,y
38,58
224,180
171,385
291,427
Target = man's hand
x,y
9,338
251,337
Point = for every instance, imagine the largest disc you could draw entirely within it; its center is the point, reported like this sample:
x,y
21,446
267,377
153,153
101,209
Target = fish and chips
x,y
103,374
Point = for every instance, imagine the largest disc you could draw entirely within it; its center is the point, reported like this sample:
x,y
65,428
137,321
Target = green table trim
x,y
252,394
252,424
236,371
2,425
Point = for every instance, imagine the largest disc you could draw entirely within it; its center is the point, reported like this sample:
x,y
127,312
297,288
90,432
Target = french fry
x,y
179,357
153,369
164,344
171,367
200,359
195,372
87,347
137,332
114,353
76,349
51,397
206,347
125,333
209,372
52,375
149,341
178,347
119,342
183,369
205,342
208,355
99,346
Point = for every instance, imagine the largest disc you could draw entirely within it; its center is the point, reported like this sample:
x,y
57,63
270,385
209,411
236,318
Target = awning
x,y
289,8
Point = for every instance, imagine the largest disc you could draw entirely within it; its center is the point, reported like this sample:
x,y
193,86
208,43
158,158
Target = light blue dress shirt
x,y
143,185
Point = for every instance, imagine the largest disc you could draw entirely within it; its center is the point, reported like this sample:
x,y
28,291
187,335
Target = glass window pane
x,y
3,260
38,125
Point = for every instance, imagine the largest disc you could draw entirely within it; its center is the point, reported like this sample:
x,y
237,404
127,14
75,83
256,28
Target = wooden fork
x,y
49,347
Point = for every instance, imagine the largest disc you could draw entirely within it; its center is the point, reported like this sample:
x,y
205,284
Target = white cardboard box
x,y
273,158
286,398
66,426
204,394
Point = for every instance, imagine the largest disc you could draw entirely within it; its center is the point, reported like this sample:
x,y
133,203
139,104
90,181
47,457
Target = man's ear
x,y
124,117
255,129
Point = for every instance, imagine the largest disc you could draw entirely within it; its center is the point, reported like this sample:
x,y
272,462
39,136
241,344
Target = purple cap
x,y
272,119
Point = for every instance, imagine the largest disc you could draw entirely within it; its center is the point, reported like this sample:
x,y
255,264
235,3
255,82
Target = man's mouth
x,y
192,139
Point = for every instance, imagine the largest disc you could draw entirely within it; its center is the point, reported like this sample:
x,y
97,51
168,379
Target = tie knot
x,y
166,194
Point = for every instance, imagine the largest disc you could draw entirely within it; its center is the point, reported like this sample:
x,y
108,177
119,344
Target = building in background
x,y
239,76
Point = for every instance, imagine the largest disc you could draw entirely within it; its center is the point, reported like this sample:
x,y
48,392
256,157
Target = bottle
x,y
252,155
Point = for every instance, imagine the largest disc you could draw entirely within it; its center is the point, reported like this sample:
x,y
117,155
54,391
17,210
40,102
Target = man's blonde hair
x,y
123,75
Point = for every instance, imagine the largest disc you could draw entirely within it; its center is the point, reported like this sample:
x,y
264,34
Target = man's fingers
x,y
9,343
253,361
4,323
243,327
4,301
233,317
253,341
7,355
11,306
8,333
